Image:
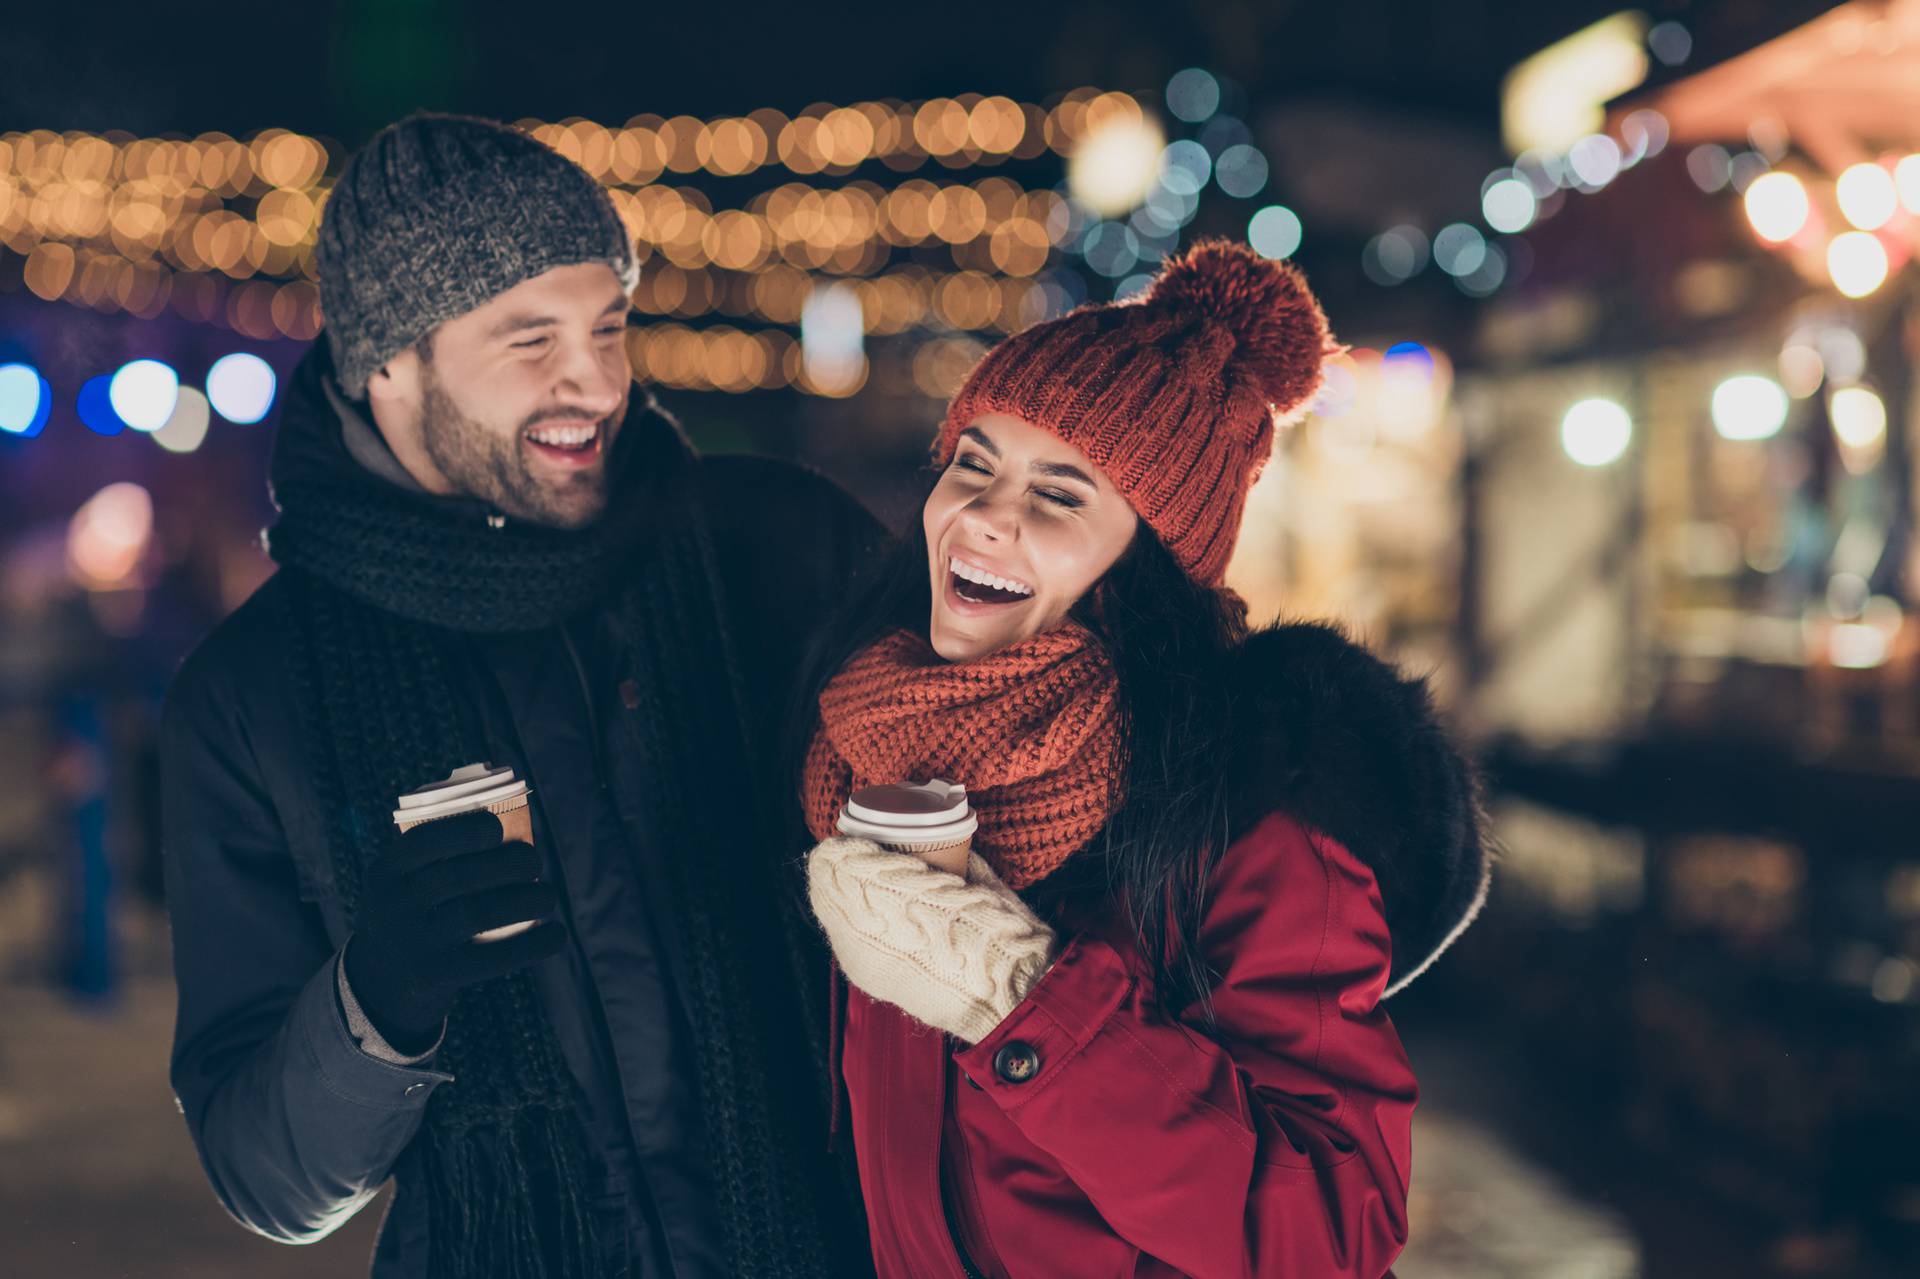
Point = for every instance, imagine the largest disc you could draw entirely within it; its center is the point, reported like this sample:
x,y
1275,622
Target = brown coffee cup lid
x,y
932,811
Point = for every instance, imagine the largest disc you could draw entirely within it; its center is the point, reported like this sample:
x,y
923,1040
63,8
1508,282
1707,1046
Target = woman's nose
x,y
988,517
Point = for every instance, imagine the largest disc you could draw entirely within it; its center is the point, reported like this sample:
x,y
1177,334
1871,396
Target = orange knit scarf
x,y
1031,731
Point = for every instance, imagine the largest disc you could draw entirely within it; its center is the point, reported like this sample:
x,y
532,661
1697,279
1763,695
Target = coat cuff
x,y
339,1063
1061,1015
361,1027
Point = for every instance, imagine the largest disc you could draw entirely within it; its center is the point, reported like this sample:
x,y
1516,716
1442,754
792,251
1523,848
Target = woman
x,y
1143,1035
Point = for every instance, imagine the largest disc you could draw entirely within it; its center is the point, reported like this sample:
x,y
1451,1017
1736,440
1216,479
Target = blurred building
x,y
1686,601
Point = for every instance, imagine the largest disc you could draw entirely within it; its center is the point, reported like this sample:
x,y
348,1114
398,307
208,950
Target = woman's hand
x,y
956,954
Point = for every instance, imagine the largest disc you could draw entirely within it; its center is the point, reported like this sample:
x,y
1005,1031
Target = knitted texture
x,y
381,591
1032,731
439,214
1173,396
957,955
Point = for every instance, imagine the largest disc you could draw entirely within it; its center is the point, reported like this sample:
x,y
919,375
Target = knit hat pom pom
x,y
1280,334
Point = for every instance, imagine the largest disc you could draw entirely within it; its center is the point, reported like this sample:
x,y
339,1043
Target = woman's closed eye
x,y
974,465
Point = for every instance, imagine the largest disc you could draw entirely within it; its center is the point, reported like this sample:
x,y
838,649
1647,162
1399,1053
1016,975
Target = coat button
x,y
972,1083
415,1090
1017,1062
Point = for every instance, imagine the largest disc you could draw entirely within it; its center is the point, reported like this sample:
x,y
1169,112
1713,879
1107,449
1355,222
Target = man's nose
x,y
590,382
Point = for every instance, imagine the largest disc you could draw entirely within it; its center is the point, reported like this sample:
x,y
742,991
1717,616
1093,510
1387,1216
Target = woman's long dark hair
x,y
1170,640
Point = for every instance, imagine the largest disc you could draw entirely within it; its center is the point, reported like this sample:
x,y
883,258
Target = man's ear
x,y
396,384
395,398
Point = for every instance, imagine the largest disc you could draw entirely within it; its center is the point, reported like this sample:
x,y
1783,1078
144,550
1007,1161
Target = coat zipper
x,y
967,1267
593,712
961,1190
953,1234
648,1203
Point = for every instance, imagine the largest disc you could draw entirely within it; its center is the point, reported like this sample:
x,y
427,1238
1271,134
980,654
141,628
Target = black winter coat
x,y
297,1126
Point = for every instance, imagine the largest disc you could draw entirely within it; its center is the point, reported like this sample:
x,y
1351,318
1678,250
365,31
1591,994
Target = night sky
x,y
341,68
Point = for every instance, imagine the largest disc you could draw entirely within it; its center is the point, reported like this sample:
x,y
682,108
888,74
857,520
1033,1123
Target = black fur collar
x,y
1328,733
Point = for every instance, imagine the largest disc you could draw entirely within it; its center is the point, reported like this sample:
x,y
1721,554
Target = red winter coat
x,y
1089,1136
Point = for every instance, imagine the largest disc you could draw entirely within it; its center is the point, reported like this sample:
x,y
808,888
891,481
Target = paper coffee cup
x,y
932,820
475,786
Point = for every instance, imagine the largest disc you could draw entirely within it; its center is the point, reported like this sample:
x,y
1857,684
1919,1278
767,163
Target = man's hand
x,y
420,907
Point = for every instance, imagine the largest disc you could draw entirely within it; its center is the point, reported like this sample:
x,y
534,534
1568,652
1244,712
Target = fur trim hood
x,y
1328,733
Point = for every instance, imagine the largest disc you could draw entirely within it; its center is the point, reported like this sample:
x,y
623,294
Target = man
x,y
492,549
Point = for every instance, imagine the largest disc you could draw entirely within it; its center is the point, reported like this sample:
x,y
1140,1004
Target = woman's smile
x,y
974,589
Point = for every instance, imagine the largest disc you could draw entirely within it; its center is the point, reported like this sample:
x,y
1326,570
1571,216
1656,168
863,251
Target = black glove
x,y
412,950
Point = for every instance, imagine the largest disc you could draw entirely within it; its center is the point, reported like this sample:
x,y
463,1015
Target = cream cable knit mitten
x,y
958,955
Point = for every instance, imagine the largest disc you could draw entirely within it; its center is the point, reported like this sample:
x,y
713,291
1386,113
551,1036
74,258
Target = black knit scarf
x,y
383,585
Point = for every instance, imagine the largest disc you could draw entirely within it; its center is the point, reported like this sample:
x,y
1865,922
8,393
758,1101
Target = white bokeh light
x,y
1859,417
1112,171
144,394
1857,263
1749,407
1509,205
1867,195
22,397
1596,432
1595,160
1777,206
240,387
1906,178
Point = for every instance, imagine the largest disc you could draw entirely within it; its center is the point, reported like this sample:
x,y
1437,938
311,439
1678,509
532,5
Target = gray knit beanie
x,y
436,216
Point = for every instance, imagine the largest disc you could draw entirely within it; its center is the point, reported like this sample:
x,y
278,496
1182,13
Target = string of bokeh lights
x,y
145,396
222,231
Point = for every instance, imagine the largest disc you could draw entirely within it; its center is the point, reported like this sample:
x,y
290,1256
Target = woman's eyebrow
x,y
1062,470
979,437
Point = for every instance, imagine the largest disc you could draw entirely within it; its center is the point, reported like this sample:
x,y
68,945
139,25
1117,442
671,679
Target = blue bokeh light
x,y
95,405
1410,355
1275,232
1193,95
1241,171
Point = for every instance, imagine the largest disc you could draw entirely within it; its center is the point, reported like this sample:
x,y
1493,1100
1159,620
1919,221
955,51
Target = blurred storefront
x,y
1686,594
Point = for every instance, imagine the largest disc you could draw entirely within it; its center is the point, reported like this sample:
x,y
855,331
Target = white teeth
x,y
563,436
967,571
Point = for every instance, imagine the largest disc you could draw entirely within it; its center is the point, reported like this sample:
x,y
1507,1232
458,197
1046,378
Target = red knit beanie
x,y
1173,396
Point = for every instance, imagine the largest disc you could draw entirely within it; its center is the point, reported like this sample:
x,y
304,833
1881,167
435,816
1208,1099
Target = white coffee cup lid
x,y
934,810
473,786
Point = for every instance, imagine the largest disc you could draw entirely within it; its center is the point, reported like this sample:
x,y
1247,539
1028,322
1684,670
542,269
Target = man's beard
x,y
484,464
